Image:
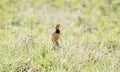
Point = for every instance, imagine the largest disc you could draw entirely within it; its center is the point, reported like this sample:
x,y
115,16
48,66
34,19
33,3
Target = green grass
x,y
90,36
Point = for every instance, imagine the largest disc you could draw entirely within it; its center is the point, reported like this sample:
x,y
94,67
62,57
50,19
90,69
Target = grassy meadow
x,y
90,33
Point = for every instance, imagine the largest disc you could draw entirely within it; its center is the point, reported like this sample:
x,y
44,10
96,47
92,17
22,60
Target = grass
x,y
90,36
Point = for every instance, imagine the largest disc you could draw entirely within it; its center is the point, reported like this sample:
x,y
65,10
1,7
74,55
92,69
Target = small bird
x,y
56,35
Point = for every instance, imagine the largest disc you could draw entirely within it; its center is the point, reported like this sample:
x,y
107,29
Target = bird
x,y
56,35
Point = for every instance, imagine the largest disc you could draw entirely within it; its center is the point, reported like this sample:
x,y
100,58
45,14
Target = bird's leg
x,y
53,44
57,44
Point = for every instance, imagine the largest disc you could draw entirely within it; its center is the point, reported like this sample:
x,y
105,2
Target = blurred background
x,y
98,19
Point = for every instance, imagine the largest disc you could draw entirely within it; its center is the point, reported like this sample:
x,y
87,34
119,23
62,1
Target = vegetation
x,y
90,35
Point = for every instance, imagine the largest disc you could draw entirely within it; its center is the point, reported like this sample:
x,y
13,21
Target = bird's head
x,y
57,27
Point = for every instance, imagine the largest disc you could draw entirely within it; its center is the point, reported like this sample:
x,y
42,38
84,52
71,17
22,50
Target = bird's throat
x,y
57,31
